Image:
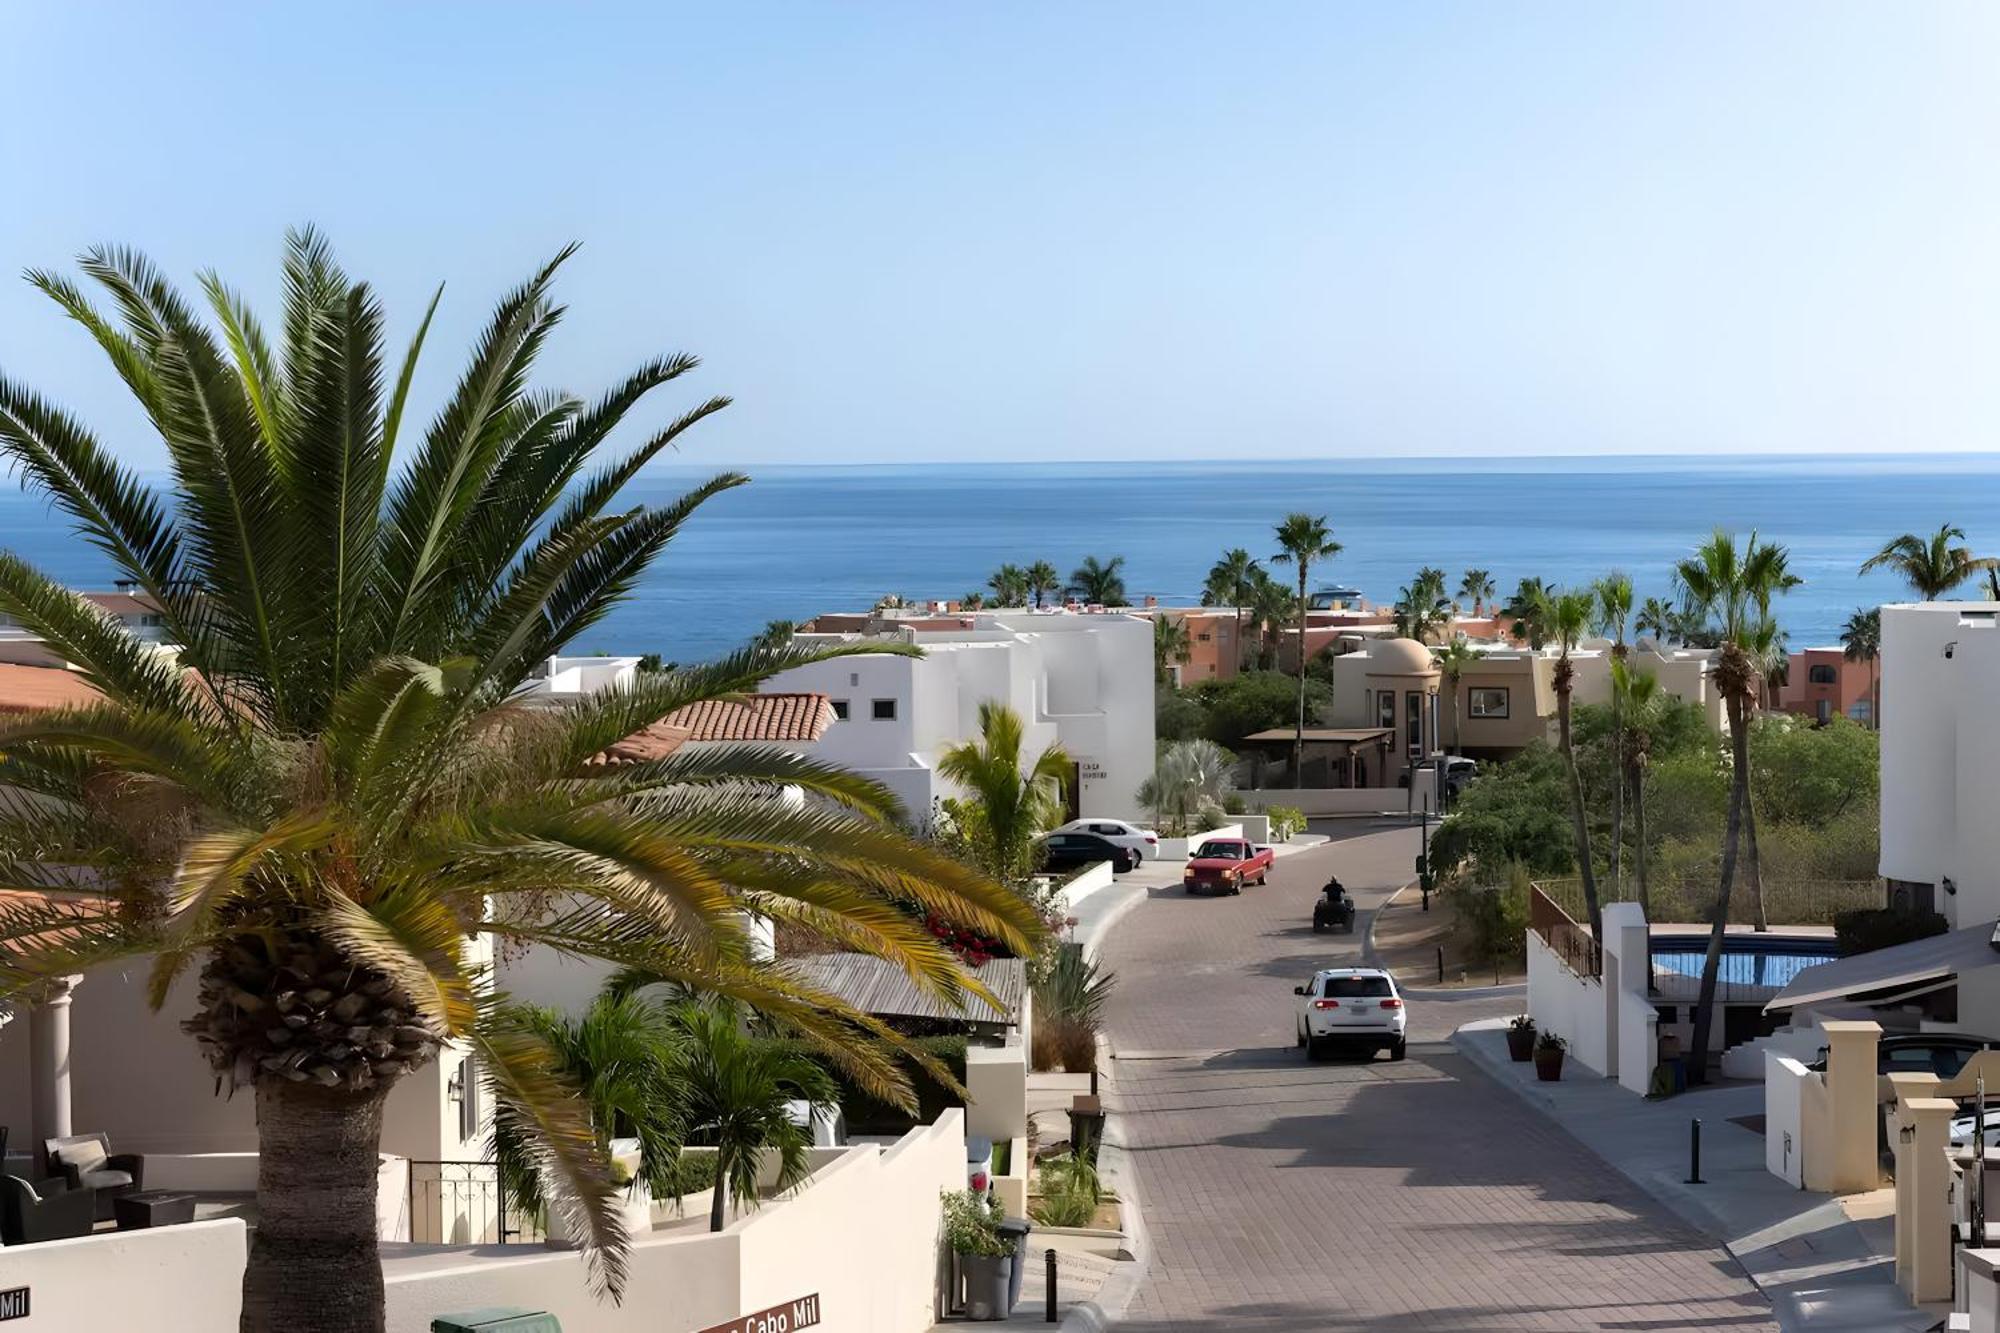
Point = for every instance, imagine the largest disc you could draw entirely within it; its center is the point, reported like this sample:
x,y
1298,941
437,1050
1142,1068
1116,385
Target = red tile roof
x,y
758,717
29,689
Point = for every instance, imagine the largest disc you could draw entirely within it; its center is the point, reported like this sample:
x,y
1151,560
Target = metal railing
x,y
1566,939
1787,902
462,1203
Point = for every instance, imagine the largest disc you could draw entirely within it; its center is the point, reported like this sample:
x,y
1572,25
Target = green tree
x,y
1640,709
1861,641
1932,566
1170,647
1612,612
1423,608
1476,587
1099,582
1188,776
1250,702
1812,775
1272,607
1454,660
332,779
1042,579
737,1090
1515,813
1730,588
1564,618
1010,586
973,601
1657,617
1303,540
1232,581
1010,800
1523,609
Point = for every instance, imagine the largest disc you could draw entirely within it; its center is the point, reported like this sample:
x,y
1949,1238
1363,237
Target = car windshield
x,y
1356,987
1220,851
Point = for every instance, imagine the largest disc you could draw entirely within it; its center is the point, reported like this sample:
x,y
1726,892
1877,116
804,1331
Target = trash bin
x,y
496,1321
1016,1229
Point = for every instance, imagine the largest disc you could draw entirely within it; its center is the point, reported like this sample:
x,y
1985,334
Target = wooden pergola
x,y
1351,755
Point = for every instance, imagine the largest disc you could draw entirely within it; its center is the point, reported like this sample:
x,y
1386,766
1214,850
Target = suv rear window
x,y
1342,988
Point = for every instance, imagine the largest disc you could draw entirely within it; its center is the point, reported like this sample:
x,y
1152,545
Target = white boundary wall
x,y
183,1279
863,1235
1178,849
1567,1005
1784,1118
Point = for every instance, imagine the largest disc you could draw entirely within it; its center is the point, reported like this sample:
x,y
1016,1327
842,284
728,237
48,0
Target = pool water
x,y
1745,962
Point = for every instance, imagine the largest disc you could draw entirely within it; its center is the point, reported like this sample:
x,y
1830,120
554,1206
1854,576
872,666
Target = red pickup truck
x,y
1225,865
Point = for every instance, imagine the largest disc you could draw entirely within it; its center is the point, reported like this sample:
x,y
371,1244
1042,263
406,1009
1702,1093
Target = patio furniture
x,y
152,1208
86,1161
45,1210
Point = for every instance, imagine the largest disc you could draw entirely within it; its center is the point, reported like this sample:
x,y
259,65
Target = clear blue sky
x,y
939,231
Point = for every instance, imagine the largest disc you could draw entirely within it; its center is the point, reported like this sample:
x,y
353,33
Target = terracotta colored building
x,y
1821,682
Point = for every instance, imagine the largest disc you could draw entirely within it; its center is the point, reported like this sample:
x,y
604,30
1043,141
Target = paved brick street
x,y
1345,1195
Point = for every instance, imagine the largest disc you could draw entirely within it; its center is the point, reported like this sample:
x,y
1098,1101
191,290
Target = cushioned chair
x,y
87,1162
48,1210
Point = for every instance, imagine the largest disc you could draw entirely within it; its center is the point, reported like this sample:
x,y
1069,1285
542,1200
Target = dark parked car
x,y
1073,851
1940,1053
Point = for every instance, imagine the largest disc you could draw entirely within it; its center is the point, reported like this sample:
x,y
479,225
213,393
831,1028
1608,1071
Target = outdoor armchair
x,y
48,1210
87,1162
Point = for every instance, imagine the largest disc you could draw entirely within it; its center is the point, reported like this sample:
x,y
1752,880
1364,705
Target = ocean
x,y
800,540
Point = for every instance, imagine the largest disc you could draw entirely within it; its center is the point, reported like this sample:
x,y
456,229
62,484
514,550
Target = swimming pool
x,y
1747,960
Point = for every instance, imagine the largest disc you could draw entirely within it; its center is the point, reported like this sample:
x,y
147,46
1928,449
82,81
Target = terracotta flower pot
x,y
1549,1064
1521,1044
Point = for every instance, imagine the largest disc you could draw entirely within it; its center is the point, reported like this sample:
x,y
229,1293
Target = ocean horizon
x,y
802,539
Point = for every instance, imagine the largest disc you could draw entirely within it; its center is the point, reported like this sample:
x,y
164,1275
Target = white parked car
x,y
1961,1128
1356,1007
1120,833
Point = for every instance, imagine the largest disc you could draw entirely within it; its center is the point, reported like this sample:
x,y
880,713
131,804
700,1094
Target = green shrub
x,y
1495,918
1880,927
972,1225
1286,820
1069,1192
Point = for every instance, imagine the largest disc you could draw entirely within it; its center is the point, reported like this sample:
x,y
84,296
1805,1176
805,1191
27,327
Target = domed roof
x,y
1400,657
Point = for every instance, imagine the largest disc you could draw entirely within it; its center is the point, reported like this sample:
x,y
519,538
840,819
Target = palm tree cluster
x,y
1932,565
1190,779
1861,641
334,799
1423,608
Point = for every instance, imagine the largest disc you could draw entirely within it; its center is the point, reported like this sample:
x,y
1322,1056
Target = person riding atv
x,y
1334,910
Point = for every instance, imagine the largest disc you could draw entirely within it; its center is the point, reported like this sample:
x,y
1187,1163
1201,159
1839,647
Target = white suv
x,y
1119,833
1352,1006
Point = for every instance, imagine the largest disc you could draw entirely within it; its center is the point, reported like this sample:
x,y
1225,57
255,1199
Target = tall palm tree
x,y
1564,617
1302,540
1613,594
1232,581
738,1092
1010,586
1042,579
1099,582
1729,589
333,782
1524,609
1272,606
1861,641
1454,660
973,601
1765,648
1170,646
1476,587
1642,706
1423,608
1659,618
1010,800
1931,565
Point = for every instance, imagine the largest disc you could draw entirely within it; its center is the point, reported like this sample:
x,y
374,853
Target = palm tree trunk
x,y
1457,747
1753,868
1576,813
1617,801
1299,736
314,1265
1711,967
717,1202
1639,845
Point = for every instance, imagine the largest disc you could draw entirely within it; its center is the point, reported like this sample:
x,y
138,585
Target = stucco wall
x,y
184,1279
1567,1005
1784,1131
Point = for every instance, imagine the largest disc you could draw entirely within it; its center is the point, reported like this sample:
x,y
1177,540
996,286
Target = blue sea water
x,y
801,540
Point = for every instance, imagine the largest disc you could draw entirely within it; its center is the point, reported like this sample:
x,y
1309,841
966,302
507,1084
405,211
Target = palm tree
x,y
1861,641
1303,539
1642,706
1188,775
738,1091
1564,618
1729,590
623,1057
1010,586
1523,609
1613,594
1098,582
1272,606
1009,801
1765,648
1042,579
776,634
1232,581
1658,618
973,601
1932,566
1454,660
332,779
1423,608
1476,587
1170,646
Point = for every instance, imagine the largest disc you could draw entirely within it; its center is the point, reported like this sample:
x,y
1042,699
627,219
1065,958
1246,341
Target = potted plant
x,y
985,1258
1521,1039
1549,1050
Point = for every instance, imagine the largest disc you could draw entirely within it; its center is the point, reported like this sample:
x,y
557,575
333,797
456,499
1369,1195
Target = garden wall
x,y
183,1279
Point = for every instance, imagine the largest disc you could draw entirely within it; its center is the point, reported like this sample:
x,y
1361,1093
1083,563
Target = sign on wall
x,y
1089,770
14,1303
801,1313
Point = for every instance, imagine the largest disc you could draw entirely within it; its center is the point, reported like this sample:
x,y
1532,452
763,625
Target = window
x,y
1822,675
464,1089
1203,638
1487,701
1413,720
1385,709
883,710
1344,988
1861,710
1823,711
840,709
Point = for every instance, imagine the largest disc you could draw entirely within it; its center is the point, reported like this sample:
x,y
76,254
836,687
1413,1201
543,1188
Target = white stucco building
x,y
1084,680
